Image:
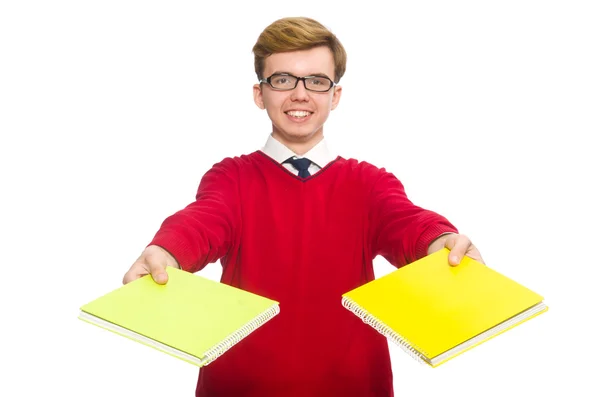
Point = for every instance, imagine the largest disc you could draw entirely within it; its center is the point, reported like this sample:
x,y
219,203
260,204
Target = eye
x,y
281,80
316,82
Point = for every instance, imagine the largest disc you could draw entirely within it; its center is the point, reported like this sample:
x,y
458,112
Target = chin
x,y
298,133
300,136
301,133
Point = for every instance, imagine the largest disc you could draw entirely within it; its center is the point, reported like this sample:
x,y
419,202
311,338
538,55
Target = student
x,y
301,225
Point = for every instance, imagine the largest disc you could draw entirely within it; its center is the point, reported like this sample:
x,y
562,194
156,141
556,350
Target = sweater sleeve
x,y
399,230
203,232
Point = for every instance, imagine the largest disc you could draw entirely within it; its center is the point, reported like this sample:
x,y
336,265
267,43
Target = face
x,y
298,115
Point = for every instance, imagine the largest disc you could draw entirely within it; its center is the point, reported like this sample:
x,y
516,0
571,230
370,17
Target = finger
x,y
136,271
458,248
474,253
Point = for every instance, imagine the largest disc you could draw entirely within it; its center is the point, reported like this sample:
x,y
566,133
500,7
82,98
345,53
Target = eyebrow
x,y
311,74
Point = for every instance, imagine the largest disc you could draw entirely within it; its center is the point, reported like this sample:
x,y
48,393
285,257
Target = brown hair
x,y
296,34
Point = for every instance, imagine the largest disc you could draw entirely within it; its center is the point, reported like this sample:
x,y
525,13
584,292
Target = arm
x,y
199,234
399,230
203,231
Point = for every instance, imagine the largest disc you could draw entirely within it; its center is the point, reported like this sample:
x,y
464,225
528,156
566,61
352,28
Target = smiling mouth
x,y
299,114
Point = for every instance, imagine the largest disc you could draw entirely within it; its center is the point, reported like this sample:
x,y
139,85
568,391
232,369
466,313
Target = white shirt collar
x,y
319,154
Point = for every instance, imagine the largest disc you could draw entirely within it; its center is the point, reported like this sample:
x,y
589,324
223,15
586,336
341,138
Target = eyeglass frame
x,y
268,80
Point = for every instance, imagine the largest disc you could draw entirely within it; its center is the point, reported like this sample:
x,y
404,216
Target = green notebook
x,y
191,317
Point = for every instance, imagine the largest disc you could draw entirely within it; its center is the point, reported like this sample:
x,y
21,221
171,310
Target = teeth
x,y
298,113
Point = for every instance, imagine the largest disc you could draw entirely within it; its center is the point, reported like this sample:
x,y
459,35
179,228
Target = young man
x,y
300,225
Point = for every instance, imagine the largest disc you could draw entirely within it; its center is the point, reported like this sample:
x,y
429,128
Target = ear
x,y
337,94
258,98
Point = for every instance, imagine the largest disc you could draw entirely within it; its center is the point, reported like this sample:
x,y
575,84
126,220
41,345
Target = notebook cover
x,y
190,313
435,307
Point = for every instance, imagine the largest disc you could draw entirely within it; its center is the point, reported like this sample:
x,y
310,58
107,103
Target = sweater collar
x,y
319,154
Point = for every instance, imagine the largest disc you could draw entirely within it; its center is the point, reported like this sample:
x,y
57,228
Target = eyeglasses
x,y
286,82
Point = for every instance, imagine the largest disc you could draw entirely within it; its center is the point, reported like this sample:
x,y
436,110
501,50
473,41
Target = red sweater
x,y
303,243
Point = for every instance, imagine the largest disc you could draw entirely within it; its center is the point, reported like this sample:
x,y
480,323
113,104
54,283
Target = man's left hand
x,y
459,246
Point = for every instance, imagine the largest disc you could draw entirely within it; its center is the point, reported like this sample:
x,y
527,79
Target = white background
x,y
110,112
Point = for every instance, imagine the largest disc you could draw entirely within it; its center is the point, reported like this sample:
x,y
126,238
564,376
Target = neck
x,y
301,146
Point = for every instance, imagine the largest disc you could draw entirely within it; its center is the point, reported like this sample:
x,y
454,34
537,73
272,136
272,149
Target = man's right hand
x,y
154,260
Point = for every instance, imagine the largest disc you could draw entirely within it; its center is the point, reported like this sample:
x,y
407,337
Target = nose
x,y
300,93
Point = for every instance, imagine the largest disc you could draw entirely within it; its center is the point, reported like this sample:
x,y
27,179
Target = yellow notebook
x,y
191,317
435,311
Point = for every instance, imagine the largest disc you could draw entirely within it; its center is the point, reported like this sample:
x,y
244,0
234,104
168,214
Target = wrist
x,y
438,243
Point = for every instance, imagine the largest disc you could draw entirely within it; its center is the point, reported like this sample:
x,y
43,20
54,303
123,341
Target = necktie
x,y
301,165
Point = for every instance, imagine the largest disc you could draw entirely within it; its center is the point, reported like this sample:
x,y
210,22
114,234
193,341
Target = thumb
x,y
452,243
157,270
160,276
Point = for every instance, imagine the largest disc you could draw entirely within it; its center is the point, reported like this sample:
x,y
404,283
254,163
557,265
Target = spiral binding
x,y
238,335
383,329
